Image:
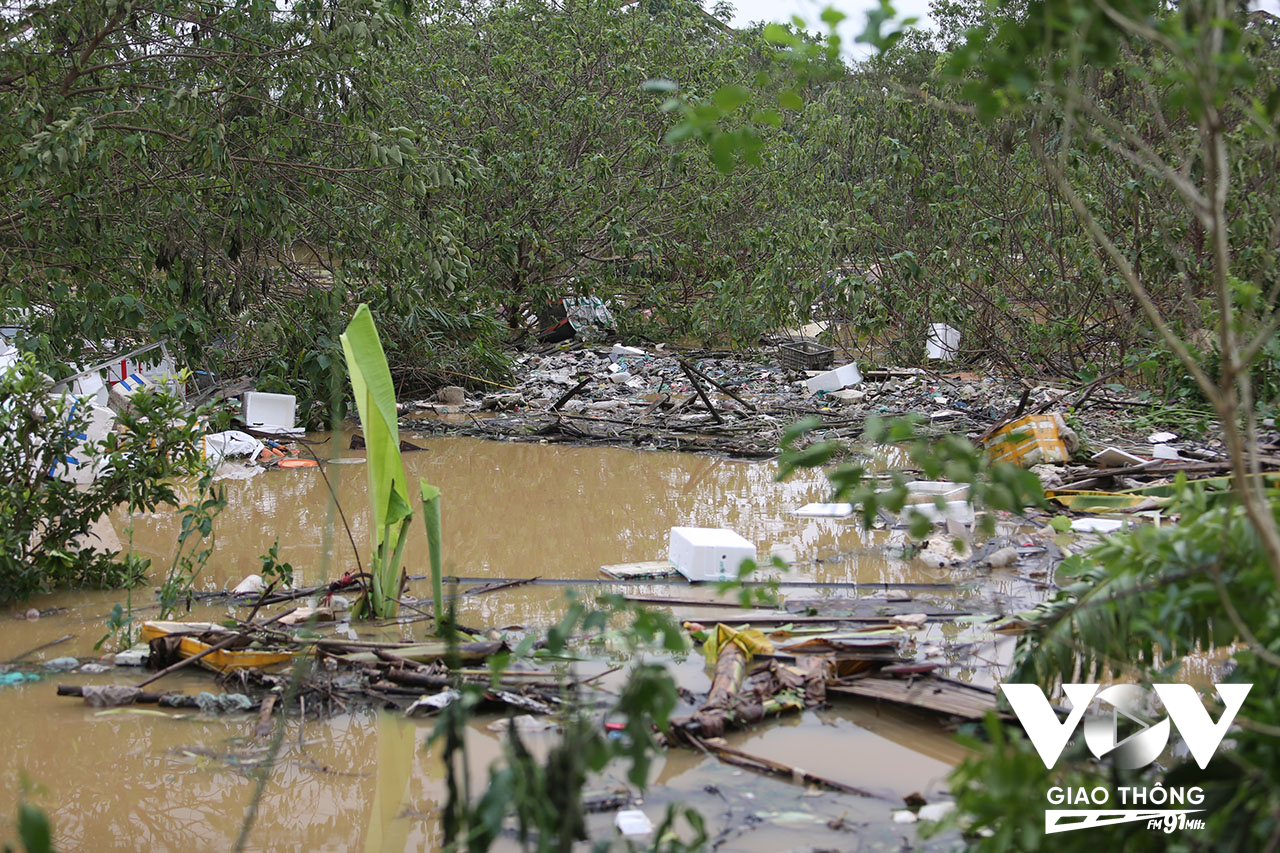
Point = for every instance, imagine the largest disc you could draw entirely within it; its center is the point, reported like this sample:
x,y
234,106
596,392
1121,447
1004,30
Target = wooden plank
x,y
930,694
647,569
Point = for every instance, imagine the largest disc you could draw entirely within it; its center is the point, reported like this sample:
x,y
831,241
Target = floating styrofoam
x,y
1096,525
834,380
708,554
270,410
633,822
820,510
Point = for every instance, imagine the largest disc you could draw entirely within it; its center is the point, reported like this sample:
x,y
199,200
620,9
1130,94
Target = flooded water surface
x,y
142,777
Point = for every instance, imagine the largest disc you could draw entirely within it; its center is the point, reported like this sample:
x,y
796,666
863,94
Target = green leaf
x,y
729,98
659,85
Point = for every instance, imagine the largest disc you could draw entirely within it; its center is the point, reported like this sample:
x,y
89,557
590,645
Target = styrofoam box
x,y
276,410
926,491
708,553
834,380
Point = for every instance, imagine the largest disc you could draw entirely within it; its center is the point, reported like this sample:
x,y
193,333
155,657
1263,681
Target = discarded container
x,y
926,491
942,342
633,822
805,355
1038,441
269,411
221,660
834,380
820,510
708,554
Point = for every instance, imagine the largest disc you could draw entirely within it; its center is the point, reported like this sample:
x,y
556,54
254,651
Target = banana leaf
x,y
375,397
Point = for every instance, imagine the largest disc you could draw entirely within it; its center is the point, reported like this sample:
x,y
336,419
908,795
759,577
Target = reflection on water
x,y
138,778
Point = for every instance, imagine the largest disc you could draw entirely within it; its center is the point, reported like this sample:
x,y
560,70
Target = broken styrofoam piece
x,y
269,410
1162,437
120,396
136,656
1164,451
1114,457
834,380
942,342
821,510
434,703
619,352
708,554
936,811
249,586
1096,525
633,822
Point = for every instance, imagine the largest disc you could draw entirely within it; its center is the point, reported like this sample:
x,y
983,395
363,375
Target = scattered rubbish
x,y
94,668
821,510
1162,437
223,703
834,380
231,444
527,723
136,656
1165,451
64,664
904,816
936,811
8,679
708,554
297,463
109,695
942,342
270,413
1002,558
1096,525
909,620
1114,457
433,704
805,355
452,395
196,639
633,822
251,585
1029,441
620,352
584,316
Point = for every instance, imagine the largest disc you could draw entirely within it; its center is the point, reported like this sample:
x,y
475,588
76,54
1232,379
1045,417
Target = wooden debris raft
x,y
774,687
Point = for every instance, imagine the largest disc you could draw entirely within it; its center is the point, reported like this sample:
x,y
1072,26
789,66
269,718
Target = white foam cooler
x,y
708,553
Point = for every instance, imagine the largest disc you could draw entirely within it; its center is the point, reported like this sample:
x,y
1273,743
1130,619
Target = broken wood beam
x,y
702,393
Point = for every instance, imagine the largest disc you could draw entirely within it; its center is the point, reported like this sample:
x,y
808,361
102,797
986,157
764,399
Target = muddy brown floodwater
x,y
139,777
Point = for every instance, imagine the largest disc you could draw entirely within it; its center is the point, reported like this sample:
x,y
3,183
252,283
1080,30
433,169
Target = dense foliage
x,y
47,520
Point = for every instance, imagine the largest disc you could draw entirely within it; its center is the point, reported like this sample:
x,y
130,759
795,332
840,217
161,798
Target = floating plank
x,y
931,694
634,571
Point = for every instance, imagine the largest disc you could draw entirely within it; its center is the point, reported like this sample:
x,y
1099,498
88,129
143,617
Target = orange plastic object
x,y
298,463
1030,440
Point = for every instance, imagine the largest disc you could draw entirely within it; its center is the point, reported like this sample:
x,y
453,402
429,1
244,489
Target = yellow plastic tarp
x,y
752,641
